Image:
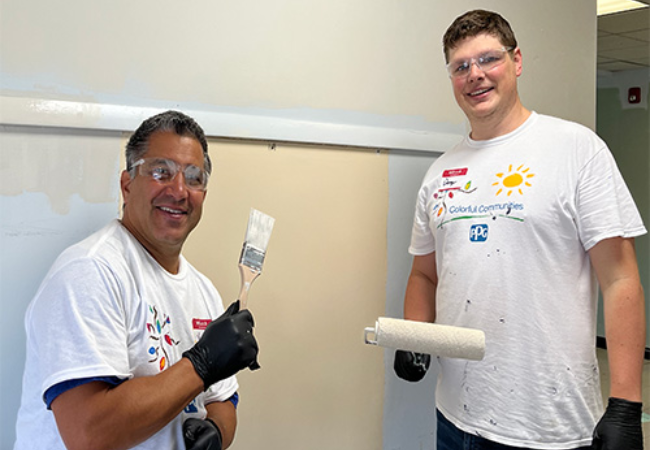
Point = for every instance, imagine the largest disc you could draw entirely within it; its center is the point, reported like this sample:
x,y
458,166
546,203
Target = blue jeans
x,y
451,438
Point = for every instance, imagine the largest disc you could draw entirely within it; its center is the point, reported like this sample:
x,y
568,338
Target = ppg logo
x,y
478,233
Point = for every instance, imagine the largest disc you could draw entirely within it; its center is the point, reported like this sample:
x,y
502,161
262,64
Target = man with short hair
x,y
513,226
128,345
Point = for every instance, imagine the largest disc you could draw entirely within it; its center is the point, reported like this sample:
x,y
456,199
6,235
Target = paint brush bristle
x,y
259,230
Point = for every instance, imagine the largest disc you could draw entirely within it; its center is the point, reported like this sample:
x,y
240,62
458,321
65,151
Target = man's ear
x,y
125,185
518,59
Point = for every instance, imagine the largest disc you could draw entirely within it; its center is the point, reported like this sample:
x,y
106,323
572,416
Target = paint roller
x,y
431,338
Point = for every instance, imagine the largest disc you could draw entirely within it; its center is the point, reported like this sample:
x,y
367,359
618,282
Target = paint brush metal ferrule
x,y
252,257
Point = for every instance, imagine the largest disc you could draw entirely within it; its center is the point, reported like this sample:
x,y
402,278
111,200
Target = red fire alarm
x,y
634,95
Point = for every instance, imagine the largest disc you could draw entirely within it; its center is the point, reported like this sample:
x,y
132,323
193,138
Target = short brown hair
x,y
477,22
175,121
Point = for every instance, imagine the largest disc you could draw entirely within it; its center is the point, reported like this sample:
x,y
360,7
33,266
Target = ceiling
x,y
624,40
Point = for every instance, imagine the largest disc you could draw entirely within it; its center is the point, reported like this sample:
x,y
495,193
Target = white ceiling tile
x,y
618,66
626,54
615,42
641,35
626,21
623,40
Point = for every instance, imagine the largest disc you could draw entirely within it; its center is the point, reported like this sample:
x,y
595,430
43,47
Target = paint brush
x,y
251,260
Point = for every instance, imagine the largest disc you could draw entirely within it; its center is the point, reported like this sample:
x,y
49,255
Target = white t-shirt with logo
x,y
510,221
108,309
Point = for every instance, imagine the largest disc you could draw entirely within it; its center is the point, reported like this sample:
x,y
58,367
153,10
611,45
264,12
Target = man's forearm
x,y
420,296
419,301
224,415
625,333
99,417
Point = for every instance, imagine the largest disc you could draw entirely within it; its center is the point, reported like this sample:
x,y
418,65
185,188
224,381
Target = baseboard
x,y
601,342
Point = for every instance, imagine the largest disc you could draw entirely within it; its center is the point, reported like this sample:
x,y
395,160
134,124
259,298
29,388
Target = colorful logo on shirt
x,y
159,329
478,233
451,186
450,202
513,181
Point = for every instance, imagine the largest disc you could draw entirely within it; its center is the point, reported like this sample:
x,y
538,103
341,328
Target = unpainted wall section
x,y
323,281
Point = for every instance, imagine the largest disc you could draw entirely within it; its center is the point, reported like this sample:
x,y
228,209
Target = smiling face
x,y
489,99
161,216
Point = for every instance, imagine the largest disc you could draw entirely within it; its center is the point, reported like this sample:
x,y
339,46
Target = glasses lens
x,y
162,170
165,170
459,68
195,177
491,59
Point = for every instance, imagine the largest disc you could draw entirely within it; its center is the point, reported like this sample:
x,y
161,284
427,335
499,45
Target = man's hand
x,y
226,346
620,427
411,366
201,434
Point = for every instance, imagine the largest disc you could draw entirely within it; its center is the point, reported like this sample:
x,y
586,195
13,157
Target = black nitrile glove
x,y
201,434
620,427
411,366
226,346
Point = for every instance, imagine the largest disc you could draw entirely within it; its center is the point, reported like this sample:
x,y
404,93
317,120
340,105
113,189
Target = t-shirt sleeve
x,y
605,207
422,240
76,325
64,386
222,390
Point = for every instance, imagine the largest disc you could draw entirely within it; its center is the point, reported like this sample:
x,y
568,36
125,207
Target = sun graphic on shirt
x,y
513,180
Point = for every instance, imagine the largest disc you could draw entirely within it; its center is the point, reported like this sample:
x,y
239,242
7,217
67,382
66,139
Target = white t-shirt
x,y
510,221
108,309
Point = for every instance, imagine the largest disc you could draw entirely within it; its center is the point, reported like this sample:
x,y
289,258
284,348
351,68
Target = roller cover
x,y
431,338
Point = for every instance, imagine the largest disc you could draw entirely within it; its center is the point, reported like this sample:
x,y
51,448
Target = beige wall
x,y
323,281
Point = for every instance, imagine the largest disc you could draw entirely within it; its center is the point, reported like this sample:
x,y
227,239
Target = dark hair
x,y
477,22
175,121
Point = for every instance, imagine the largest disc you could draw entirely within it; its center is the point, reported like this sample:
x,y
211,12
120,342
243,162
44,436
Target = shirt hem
x,y
513,442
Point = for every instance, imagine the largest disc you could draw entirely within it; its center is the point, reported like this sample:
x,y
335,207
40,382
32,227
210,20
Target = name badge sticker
x,y
199,326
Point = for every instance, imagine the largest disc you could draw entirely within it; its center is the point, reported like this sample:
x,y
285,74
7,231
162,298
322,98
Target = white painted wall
x,y
368,62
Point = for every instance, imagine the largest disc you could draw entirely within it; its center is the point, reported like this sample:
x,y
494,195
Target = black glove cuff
x,y
207,419
197,358
625,408
411,366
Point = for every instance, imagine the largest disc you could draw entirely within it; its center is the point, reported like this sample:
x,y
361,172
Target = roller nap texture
x,y
433,339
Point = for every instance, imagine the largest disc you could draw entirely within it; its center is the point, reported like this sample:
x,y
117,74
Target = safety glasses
x,y
164,171
485,62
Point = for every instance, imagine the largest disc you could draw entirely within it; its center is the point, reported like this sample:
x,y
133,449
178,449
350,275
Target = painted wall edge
x,y
25,111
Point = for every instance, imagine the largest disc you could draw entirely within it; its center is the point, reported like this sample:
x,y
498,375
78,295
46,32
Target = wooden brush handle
x,y
248,275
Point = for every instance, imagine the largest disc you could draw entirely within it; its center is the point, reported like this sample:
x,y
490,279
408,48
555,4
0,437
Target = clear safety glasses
x,y
485,62
165,170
